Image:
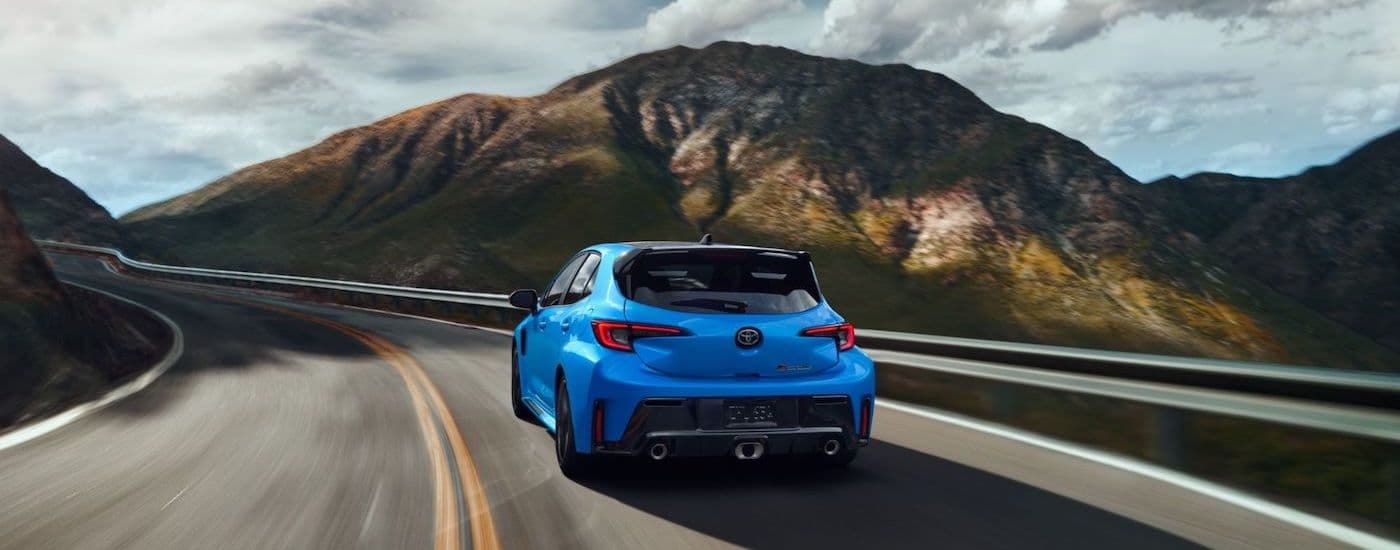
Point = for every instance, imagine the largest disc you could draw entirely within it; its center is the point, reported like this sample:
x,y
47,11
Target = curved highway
x,y
295,425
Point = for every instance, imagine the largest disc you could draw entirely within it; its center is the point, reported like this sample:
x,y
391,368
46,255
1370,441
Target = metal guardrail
x,y
1311,383
1353,403
431,294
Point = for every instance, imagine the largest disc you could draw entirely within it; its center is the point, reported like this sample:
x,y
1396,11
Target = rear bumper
x,y
801,442
695,427
632,406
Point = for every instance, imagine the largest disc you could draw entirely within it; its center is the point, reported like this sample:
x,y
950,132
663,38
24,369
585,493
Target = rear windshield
x,y
722,281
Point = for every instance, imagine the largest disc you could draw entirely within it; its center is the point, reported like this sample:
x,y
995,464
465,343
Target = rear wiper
x,y
728,306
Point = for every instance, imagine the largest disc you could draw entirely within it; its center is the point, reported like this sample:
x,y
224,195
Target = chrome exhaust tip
x,y
831,447
748,451
658,451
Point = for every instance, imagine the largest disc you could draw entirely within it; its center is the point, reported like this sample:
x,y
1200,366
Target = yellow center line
x,y
482,526
426,399
447,533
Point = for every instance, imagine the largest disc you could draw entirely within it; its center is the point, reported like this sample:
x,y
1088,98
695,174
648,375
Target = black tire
x,y
516,402
571,463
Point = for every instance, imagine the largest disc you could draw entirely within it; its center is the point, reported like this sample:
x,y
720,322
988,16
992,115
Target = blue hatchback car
x,y
675,349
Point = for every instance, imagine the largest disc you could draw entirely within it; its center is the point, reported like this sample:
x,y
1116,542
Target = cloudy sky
x,y
137,100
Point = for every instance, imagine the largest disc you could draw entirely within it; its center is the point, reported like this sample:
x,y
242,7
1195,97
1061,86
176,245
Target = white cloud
x,y
136,100
1246,150
1350,109
1107,112
939,31
1242,157
699,22
127,97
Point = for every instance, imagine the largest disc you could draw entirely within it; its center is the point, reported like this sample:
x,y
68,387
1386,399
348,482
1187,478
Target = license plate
x,y
750,413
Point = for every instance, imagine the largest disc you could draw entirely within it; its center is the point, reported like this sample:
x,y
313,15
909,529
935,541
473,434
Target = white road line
x,y
369,514
174,498
42,427
1279,512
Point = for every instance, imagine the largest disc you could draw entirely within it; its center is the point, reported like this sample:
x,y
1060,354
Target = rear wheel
x,y
516,401
571,462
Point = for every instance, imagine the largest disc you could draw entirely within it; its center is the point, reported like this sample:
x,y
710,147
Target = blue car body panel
x,y
705,362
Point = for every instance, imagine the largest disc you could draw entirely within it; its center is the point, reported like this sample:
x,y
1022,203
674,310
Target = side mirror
x,y
525,299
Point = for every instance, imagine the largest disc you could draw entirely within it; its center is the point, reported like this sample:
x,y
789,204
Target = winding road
x,y
295,425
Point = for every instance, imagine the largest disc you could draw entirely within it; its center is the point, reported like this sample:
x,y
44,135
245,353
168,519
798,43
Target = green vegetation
x,y
1001,146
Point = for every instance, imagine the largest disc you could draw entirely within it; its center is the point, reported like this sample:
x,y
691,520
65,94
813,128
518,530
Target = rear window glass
x,y
722,281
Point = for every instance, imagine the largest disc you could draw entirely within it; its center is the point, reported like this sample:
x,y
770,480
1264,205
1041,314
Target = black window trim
x,y
588,284
562,270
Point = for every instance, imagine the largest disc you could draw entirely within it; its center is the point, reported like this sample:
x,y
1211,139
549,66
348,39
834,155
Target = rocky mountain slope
x,y
926,209
1328,237
50,206
24,275
57,348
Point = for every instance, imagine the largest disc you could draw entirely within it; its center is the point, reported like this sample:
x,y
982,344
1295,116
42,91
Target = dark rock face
x,y
50,206
928,210
24,275
1328,237
57,348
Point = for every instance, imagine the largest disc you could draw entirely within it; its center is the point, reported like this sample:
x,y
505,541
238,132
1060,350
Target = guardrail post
x,y
1168,434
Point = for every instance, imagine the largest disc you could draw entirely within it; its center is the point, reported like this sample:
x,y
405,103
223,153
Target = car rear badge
x,y
748,337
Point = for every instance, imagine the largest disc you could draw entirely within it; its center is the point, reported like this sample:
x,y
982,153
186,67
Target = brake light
x,y
843,333
619,336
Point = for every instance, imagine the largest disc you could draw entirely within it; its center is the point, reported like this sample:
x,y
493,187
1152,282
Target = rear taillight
x,y
619,336
843,333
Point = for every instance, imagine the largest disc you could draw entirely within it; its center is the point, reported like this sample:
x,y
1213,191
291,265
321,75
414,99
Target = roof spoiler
x,y
626,259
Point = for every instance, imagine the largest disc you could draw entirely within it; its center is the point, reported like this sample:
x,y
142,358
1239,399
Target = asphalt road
x,y
276,430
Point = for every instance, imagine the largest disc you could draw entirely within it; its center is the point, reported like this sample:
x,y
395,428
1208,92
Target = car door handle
x,y
542,323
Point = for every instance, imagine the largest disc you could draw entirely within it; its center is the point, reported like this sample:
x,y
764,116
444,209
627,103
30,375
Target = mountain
x,y
50,206
31,307
925,208
24,275
57,348
1328,237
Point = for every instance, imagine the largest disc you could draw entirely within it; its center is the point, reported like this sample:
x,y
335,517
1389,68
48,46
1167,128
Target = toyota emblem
x,y
748,337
